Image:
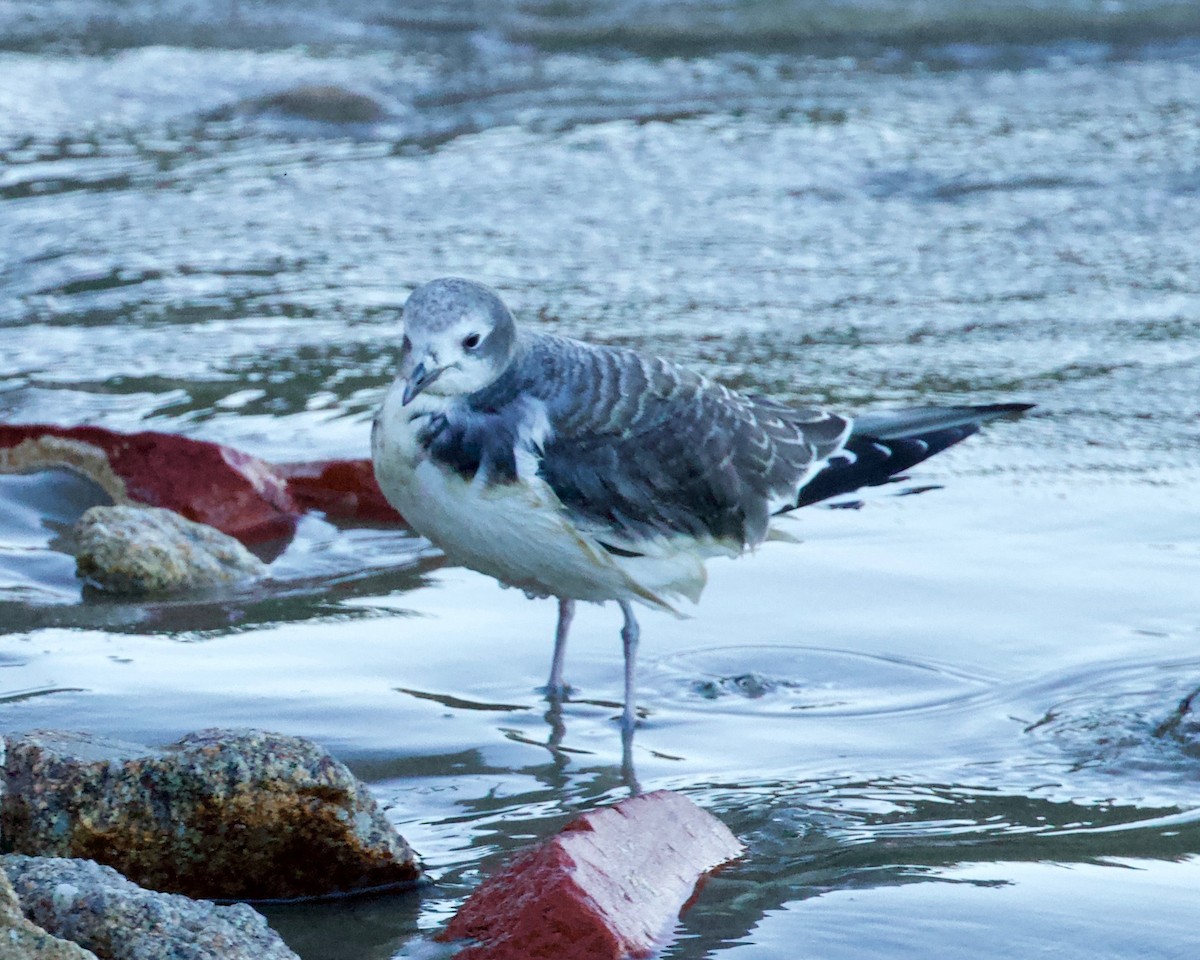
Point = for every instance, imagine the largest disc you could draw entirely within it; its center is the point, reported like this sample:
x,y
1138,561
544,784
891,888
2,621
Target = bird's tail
x,y
883,445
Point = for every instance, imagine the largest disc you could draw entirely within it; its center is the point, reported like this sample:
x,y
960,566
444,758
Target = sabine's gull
x,y
587,472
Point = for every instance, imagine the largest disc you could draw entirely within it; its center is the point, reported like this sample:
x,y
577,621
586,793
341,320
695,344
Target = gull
x,y
587,472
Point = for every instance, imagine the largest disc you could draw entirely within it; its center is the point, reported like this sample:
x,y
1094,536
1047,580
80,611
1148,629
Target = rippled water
x,y
943,723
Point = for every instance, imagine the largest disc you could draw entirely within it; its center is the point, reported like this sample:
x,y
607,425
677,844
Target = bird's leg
x,y
629,640
555,688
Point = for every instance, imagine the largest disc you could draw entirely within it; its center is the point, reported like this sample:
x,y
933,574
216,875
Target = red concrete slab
x,y
608,887
342,489
238,494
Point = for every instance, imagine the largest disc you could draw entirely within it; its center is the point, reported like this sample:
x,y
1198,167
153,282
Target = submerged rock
x,y
96,907
230,814
22,940
147,550
322,103
1183,724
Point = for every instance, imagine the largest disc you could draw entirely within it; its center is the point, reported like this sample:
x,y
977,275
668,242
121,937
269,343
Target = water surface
x,y
942,723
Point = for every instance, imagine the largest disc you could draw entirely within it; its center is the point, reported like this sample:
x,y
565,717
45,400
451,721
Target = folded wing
x,y
641,449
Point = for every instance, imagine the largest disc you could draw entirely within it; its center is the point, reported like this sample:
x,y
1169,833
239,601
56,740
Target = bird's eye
x,y
406,345
471,342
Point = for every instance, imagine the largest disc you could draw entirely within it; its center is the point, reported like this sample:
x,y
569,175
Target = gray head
x,y
458,338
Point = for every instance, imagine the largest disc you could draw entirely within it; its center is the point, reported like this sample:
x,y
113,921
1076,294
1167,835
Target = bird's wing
x,y
639,449
884,444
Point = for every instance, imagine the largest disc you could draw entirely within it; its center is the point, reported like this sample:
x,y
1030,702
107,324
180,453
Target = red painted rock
x,y
609,886
238,494
344,489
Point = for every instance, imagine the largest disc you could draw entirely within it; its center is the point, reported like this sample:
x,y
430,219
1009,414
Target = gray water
x,y
943,724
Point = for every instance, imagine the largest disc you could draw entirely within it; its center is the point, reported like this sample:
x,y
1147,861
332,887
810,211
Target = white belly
x,y
518,532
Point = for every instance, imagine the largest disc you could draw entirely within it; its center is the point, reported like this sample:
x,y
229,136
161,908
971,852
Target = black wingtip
x,y
989,410
895,441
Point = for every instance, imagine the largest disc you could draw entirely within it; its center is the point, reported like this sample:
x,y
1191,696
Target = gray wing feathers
x,y
643,448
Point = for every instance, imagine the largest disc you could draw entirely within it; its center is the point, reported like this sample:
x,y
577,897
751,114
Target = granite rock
x,y
22,940
97,908
149,550
230,814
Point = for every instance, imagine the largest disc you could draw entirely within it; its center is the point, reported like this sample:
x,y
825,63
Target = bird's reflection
x,y
555,743
555,719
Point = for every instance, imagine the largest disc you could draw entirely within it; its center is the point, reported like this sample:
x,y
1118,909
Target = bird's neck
x,y
507,386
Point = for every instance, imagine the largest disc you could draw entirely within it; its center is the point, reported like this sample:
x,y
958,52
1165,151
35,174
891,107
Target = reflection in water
x,y
806,838
923,843
16,696
459,703
361,928
320,569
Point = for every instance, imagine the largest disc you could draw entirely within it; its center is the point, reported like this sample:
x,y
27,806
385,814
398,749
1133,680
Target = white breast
x,y
518,532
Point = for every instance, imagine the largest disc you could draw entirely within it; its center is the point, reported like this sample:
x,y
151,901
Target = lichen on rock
x,y
21,939
231,814
97,908
149,550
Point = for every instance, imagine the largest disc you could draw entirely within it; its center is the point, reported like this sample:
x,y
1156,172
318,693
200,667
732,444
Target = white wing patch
x,y
533,433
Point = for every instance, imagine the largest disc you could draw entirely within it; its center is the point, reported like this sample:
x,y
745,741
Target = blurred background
x,y
943,723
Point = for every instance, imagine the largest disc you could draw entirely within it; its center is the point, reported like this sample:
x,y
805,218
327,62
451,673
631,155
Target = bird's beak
x,y
420,378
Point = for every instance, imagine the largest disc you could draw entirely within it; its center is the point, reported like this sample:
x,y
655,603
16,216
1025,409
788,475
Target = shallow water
x,y
940,722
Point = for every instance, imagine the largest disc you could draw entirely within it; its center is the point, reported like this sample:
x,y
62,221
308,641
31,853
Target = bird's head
x,y
458,338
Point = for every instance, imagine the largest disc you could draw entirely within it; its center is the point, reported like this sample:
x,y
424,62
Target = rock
x,y
322,103
609,886
96,907
238,494
146,550
22,940
230,814
1183,724
243,496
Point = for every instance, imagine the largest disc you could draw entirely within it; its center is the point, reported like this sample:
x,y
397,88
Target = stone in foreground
x,y
609,886
228,814
148,550
22,940
97,908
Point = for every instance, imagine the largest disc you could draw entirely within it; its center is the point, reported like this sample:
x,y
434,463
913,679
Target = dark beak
x,y
418,380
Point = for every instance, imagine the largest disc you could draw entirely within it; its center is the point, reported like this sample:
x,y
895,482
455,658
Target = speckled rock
x,y
229,814
96,907
22,940
144,550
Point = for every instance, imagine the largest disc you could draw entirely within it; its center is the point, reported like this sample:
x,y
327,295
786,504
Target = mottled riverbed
x,y
943,723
